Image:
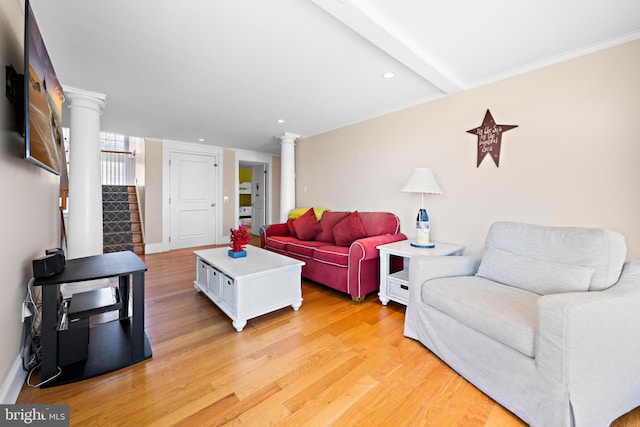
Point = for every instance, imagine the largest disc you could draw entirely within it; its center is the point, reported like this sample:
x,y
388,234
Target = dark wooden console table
x,y
112,345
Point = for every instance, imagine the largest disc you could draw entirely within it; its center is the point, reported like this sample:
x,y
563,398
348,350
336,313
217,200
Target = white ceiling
x,y
225,71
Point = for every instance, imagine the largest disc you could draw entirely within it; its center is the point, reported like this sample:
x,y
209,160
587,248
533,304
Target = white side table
x,y
395,286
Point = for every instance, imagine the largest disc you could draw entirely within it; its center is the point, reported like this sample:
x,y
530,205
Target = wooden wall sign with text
x,y
490,138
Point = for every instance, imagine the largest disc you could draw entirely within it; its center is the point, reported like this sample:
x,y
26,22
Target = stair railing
x,y
118,167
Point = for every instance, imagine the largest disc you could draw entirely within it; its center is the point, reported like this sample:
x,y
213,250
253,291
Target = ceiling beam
x,y
390,40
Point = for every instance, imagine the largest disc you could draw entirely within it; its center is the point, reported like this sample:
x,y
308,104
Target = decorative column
x,y
287,174
84,234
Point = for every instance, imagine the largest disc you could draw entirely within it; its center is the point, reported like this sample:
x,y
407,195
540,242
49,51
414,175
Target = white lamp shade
x,y
422,180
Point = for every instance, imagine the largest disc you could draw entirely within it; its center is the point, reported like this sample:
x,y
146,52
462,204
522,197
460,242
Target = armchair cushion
x,y
604,250
349,230
506,314
307,226
533,275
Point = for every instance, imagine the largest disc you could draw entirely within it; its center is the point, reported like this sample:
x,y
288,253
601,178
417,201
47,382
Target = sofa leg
x,y
358,300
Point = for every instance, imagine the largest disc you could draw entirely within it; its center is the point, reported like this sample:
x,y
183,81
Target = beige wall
x,y
574,159
153,192
29,215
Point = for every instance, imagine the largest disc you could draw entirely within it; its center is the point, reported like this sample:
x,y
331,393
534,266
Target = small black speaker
x,y
48,266
56,251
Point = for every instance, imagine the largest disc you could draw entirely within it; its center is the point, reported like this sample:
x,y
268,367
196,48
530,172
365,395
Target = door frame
x,y
251,158
169,147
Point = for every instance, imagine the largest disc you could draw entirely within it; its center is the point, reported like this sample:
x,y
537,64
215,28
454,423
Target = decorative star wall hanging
x,y
490,138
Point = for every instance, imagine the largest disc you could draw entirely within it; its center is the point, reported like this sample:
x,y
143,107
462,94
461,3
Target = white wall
x,y
29,215
574,159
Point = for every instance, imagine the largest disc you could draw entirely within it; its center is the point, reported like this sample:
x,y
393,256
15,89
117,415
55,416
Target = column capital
x,y
288,137
84,98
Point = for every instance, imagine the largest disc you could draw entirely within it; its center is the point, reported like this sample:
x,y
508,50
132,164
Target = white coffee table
x,y
248,287
395,286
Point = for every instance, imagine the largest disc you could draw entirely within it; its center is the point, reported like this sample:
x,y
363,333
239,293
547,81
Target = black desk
x,y
112,345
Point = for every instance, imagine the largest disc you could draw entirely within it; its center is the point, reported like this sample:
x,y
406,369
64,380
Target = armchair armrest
x,y
591,342
423,268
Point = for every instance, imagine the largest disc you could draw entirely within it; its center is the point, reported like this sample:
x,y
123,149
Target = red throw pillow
x,y
349,230
328,221
307,226
292,231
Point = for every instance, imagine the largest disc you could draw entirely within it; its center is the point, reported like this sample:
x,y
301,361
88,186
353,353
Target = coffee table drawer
x,y
202,274
229,294
215,284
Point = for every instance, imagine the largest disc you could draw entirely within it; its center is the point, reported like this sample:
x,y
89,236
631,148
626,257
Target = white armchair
x,y
546,321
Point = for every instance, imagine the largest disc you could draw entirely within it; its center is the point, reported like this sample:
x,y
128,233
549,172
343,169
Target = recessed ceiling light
x,y
201,139
280,120
388,75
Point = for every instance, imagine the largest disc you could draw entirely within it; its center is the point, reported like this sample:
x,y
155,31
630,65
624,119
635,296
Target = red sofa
x,y
339,251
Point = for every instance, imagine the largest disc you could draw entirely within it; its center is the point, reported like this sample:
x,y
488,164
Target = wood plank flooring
x,y
333,362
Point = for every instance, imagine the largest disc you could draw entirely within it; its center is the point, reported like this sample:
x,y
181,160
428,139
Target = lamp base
x,y
428,246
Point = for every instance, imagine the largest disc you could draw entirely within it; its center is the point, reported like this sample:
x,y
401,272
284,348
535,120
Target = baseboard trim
x,y
12,383
155,248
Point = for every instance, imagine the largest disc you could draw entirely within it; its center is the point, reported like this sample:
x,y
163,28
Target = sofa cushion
x,y
303,248
279,243
307,226
334,255
504,313
349,230
328,221
534,275
603,250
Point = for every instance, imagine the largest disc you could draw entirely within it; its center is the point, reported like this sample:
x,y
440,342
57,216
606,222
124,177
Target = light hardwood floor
x,y
333,362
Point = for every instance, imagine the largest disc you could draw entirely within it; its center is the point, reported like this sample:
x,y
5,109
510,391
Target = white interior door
x,y
258,198
192,198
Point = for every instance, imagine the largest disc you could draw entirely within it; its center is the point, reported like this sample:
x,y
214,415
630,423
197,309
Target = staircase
x,y
121,228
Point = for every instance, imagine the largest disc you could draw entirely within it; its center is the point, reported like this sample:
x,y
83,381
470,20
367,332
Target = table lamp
x,y
422,181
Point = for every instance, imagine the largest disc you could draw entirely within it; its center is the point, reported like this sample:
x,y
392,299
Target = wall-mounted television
x,y
43,97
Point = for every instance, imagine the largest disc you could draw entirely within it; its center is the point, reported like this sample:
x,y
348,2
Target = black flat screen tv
x,y
43,97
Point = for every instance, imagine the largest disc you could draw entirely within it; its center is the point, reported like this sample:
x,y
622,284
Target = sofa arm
x,y
367,248
591,342
276,230
272,230
363,274
423,268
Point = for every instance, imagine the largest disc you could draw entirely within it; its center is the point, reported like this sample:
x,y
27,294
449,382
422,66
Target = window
x,y
114,142
118,166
